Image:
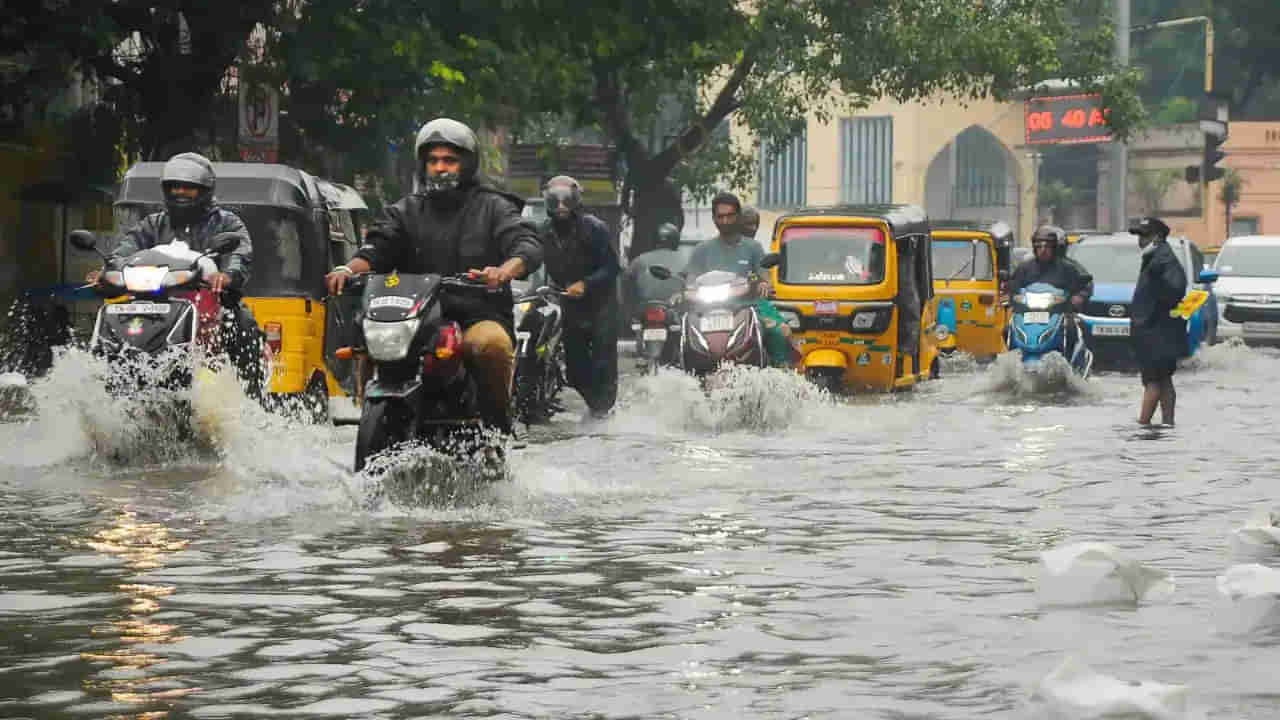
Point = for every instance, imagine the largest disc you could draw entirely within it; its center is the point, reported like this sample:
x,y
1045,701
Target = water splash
x,y
1232,357
1051,379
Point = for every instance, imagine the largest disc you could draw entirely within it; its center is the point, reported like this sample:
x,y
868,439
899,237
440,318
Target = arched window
x,y
981,178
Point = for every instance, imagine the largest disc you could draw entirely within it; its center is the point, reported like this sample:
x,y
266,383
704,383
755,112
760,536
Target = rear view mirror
x,y
1207,276
660,272
224,243
83,240
770,260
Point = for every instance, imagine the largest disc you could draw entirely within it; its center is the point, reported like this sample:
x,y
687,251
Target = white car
x,y
1248,289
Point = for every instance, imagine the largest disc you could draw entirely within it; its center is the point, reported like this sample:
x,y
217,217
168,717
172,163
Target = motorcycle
x,y
158,307
657,333
539,374
719,321
420,388
1040,326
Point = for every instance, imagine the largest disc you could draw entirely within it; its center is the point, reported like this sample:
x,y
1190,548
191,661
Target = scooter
x,y
720,323
539,374
420,389
657,330
157,307
1040,327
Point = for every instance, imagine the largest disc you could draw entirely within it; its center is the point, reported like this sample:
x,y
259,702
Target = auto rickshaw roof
x,y
998,230
340,197
901,219
238,183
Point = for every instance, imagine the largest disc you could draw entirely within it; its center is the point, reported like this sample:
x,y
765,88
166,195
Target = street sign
x,y
259,121
1066,119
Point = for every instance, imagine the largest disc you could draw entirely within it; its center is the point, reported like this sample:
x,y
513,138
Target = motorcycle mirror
x,y
1003,274
660,272
770,260
83,240
543,290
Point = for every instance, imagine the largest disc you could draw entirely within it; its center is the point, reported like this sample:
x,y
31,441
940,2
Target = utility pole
x,y
1119,150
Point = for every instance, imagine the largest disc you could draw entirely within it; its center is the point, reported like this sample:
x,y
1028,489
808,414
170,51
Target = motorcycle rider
x,y
750,222
455,222
732,251
580,258
639,286
192,215
1048,266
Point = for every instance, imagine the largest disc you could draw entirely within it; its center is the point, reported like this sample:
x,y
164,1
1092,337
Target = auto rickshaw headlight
x,y
865,321
942,332
389,341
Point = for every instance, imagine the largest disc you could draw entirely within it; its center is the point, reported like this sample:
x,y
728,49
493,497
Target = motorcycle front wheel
x,y
383,425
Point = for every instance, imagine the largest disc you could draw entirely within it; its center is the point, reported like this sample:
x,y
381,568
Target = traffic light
x,y
1213,122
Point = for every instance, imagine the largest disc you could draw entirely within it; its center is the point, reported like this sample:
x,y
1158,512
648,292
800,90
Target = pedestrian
x,y
1159,337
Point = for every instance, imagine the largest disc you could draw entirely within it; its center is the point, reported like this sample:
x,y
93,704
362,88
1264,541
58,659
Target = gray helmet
x,y
1051,233
668,236
191,169
749,218
445,131
562,191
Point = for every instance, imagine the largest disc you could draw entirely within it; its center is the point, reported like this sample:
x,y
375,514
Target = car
x,y
1114,261
1249,290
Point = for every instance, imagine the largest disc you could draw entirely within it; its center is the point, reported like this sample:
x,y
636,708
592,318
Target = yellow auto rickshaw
x,y
855,284
972,263
300,226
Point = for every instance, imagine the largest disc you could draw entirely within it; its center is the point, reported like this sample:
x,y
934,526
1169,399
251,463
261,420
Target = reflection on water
x,y
757,550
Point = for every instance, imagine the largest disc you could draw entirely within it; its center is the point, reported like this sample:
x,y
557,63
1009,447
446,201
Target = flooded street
x,y
691,557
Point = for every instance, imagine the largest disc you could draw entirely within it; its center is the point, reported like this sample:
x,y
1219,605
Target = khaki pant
x,y
488,352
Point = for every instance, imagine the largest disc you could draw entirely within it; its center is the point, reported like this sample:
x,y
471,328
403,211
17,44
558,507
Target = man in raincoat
x,y
1159,338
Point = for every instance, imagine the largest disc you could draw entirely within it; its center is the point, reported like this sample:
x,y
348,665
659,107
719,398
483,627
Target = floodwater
x,y
758,552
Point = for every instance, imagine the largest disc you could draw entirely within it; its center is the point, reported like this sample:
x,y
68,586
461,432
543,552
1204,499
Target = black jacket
x,y
1064,274
415,236
585,254
1162,282
156,229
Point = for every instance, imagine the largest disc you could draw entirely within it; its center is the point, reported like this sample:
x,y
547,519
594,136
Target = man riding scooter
x,y
1051,267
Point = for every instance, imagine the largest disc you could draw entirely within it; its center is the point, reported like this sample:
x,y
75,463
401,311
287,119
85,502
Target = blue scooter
x,y
1040,327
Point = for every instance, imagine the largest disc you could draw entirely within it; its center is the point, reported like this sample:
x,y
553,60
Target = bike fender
x,y
826,358
375,390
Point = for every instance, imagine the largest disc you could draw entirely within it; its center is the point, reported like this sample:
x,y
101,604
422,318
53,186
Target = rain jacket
x,y
1064,274
1158,339
586,254
484,229
156,229
639,286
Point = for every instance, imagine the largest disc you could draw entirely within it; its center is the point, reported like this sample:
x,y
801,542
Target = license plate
x,y
522,342
655,334
138,309
1036,318
826,307
1111,330
719,322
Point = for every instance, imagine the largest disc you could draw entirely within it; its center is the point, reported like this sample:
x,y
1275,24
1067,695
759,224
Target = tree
x,y
1232,185
1058,197
1153,185
767,64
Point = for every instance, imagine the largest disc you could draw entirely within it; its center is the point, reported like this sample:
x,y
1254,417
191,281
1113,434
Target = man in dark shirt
x,y
1049,266
455,223
1159,338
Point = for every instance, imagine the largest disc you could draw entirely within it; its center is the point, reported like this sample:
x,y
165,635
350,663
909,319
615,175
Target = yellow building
x,y
956,160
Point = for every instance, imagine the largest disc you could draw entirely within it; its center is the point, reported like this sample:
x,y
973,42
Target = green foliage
x,y
1057,196
1232,185
1153,185
1175,110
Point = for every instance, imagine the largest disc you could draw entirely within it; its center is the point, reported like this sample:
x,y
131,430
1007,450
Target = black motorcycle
x,y
657,330
539,354
420,388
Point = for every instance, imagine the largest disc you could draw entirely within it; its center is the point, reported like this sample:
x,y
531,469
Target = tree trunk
x,y
654,200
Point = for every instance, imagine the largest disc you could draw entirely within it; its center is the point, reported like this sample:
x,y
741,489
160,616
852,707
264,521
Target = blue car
x,y
1114,261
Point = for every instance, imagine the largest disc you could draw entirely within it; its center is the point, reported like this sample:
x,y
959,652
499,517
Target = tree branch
x,y
617,119
725,104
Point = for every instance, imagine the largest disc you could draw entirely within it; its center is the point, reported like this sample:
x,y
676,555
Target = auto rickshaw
x,y
855,284
972,263
300,226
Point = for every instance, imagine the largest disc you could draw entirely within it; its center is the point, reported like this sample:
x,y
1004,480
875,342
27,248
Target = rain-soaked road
x,y
692,557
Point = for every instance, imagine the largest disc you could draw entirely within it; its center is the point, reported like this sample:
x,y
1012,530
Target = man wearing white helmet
x,y
456,223
191,215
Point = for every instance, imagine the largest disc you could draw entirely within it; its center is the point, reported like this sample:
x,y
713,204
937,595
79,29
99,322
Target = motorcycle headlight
x,y
389,341
1041,301
175,278
791,318
113,277
714,293
149,278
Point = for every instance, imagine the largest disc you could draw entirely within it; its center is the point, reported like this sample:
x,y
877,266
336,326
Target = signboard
x,y
259,120
1066,119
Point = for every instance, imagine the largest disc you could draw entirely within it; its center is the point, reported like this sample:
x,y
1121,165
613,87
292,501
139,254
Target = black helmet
x,y
562,191
1050,233
189,169
444,131
668,236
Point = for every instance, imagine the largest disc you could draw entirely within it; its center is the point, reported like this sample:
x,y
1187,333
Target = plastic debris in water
x,y
1260,536
1254,594
1096,574
1074,690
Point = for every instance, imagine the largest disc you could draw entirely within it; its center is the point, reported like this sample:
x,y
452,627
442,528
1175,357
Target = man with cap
x,y
455,222
580,258
1159,338
192,215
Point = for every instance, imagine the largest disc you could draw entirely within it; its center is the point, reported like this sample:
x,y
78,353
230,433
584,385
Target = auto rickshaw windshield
x,y
832,256
962,259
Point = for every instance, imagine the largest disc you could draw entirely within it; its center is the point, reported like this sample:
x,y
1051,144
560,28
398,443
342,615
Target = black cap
x,y
1149,226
